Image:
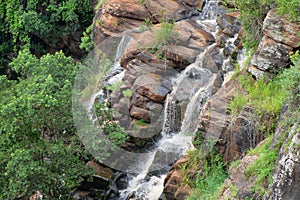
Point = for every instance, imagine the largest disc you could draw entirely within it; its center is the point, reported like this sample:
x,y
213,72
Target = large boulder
x,y
175,48
270,58
151,86
281,30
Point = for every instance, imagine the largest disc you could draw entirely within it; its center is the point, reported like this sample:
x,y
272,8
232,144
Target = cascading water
x,y
183,108
191,89
116,73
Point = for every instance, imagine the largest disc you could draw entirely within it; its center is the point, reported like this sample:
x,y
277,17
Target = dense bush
x,y
40,24
39,149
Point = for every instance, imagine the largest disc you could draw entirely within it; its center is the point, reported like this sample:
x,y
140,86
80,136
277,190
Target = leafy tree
x,y
39,149
41,25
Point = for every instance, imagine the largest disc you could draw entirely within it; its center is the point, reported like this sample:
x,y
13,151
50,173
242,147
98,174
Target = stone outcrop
x,y
280,37
117,16
177,50
150,64
233,135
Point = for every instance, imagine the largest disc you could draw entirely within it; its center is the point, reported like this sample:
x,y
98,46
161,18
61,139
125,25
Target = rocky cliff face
x,y
151,63
237,134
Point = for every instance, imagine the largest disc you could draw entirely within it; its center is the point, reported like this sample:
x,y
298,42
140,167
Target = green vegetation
x,y
142,1
40,25
87,39
210,175
263,167
115,87
204,173
127,93
291,8
99,4
252,15
39,149
165,34
269,97
147,24
111,128
266,98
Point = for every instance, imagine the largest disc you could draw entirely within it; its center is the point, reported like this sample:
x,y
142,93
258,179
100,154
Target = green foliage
x,y
263,167
209,168
290,79
252,14
39,149
142,1
51,168
233,190
236,105
165,34
291,8
40,102
115,87
263,97
127,93
111,128
147,24
36,23
100,4
87,39
209,179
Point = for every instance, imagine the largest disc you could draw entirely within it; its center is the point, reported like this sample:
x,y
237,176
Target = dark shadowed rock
x,y
182,192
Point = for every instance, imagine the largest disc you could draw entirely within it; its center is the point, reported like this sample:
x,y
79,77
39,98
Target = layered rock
x,y
150,65
280,37
239,181
117,16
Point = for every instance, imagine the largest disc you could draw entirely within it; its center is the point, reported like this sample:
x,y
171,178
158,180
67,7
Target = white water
x,y
191,89
115,74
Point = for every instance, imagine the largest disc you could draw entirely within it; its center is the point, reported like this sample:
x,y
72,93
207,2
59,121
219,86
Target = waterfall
x,y
116,73
191,89
182,110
